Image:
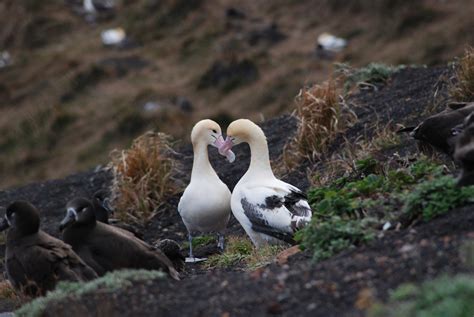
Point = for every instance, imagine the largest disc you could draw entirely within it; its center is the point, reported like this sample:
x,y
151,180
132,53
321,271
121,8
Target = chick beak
x,y
106,205
4,224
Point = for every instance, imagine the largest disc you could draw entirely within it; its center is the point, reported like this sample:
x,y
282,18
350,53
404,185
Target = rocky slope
x,y
343,285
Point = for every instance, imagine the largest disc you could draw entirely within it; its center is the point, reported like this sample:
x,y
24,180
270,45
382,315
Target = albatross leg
x,y
220,241
190,239
191,258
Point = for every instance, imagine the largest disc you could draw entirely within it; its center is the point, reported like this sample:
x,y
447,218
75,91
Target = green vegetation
x,y
433,198
443,296
333,235
349,211
466,252
109,282
239,251
200,241
374,73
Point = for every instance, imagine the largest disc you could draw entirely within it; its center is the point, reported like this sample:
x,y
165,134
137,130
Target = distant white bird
x,y
97,6
5,59
113,36
205,204
269,210
331,43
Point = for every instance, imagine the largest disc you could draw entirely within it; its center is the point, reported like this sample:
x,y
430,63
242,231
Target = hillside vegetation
x,y
67,101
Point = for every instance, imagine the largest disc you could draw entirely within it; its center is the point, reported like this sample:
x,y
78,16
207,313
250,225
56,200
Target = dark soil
x,y
330,288
410,96
228,76
343,285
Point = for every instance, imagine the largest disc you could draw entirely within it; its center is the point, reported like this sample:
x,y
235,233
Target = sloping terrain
x,y
343,285
67,101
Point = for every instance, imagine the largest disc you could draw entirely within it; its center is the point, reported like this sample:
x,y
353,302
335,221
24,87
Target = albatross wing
x,y
275,210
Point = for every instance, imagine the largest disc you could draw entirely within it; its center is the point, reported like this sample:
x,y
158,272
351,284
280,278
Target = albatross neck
x,y
201,165
260,158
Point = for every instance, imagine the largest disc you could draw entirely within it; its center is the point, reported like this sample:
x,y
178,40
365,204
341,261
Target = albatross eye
x,y
214,130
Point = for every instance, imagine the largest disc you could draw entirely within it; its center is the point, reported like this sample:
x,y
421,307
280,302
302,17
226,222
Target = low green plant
x,y
349,211
374,73
466,253
332,236
339,218
425,167
368,185
109,282
241,251
237,250
200,241
367,165
435,197
443,296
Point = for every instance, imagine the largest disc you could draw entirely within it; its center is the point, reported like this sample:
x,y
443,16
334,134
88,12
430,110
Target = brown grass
x,y
7,291
240,252
321,116
463,89
343,162
178,55
143,177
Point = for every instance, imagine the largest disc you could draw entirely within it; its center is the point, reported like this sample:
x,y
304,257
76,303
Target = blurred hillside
x,y
67,100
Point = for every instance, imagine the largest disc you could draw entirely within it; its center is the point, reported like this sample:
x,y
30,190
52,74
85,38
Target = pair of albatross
x,y
269,210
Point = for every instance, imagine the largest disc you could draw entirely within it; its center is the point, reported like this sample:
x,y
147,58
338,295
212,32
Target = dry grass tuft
x,y
240,252
343,162
463,89
143,177
322,115
7,291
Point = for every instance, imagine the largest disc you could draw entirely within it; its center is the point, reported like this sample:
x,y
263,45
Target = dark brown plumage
x,y
440,130
173,251
103,210
464,153
36,261
102,207
106,248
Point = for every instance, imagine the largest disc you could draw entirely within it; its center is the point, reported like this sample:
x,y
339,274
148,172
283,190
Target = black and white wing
x,y
277,210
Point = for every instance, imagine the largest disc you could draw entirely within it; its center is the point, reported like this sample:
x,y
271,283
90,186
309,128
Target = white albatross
x,y
269,210
95,6
205,203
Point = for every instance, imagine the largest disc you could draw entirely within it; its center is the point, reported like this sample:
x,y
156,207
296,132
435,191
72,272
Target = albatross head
x,y
209,131
242,130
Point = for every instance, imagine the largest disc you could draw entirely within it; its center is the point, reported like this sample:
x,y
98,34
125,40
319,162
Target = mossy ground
x,y
108,283
351,210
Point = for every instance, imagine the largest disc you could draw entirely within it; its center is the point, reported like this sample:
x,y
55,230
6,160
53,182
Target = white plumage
x,y
331,43
269,210
93,6
205,204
